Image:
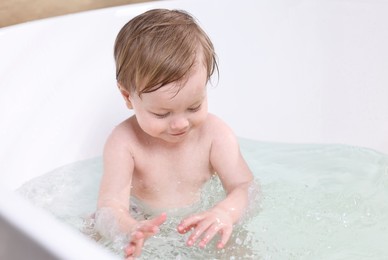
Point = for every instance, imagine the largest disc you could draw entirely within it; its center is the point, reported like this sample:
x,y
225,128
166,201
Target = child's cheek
x,y
200,118
157,127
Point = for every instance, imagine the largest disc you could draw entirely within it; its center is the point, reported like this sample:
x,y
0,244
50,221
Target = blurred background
x,y
19,11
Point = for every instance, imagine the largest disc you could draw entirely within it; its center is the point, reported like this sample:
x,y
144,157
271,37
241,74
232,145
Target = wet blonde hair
x,y
159,47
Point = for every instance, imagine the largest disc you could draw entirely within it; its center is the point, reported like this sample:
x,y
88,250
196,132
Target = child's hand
x,y
207,225
143,230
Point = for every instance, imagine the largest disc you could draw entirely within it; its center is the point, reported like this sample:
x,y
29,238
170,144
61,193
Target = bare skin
x,y
164,154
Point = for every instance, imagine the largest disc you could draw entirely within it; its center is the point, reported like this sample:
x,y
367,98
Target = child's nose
x,y
179,123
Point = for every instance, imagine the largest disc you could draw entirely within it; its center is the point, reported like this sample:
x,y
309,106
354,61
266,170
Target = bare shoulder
x,y
122,135
219,129
124,128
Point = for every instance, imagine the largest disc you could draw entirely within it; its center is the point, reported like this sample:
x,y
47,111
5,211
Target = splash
x,y
307,202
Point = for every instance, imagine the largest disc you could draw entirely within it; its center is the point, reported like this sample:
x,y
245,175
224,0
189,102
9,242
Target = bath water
x,y
318,202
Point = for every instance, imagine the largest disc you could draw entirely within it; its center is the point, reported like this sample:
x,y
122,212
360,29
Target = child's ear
x,y
126,95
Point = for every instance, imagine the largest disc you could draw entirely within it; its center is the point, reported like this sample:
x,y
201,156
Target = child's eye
x,y
161,115
195,109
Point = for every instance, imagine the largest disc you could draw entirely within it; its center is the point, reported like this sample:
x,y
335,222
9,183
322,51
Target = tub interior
x,y
290,72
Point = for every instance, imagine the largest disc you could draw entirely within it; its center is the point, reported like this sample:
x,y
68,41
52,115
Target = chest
x,y
186,168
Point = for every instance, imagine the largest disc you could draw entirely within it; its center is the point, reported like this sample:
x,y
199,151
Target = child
x,y
171,146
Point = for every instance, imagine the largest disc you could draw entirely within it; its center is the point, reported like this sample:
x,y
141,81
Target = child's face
x,y
170,116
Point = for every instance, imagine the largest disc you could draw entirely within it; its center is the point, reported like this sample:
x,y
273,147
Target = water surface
x,y
319,202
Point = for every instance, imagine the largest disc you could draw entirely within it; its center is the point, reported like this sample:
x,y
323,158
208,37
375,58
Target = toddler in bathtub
x,y
163,154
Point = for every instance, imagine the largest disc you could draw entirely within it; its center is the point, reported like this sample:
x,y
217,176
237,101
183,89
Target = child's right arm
x,y
114,194
115,186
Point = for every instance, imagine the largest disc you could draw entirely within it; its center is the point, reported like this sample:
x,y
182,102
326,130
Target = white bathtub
x,y
290,71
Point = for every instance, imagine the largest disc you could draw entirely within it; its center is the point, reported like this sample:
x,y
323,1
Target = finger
x,y
147,229
134,240
184,230
134,248
129,250
198,231
136,235
225,235
210,233
151,227
138,248
189,223
159,220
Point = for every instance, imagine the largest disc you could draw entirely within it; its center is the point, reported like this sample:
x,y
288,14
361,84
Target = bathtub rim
x,y
13,208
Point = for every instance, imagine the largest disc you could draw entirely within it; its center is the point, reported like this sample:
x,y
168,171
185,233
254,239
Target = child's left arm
x,y
236,178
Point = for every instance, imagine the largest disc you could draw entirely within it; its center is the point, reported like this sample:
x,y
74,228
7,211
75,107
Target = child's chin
x,y
174,138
